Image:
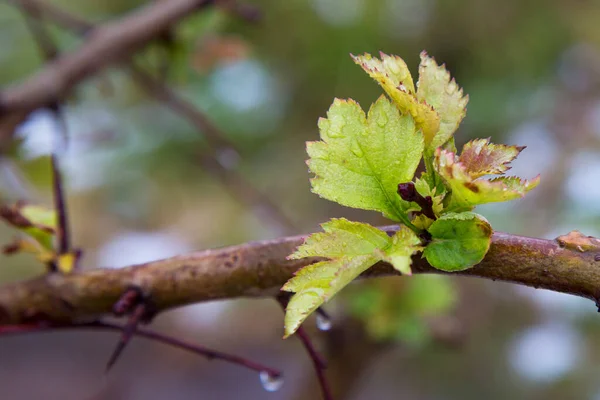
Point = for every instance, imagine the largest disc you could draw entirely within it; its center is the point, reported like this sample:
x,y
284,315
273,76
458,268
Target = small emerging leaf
x,y
459,241
390,71
30,246
480,157
437,89
36,221
361,160
393,76
467,191
66,263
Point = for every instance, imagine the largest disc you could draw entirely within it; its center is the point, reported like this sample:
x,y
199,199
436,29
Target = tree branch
x,y
233,181
261,268
107,44
145,333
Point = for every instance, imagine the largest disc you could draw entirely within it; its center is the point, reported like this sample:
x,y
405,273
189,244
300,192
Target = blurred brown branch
x,y
107,44
239,187
261,268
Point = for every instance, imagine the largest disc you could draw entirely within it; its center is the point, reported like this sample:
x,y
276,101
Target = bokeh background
x,y
139,190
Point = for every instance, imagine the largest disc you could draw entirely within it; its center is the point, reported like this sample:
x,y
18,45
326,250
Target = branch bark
x,y
105,45
261,268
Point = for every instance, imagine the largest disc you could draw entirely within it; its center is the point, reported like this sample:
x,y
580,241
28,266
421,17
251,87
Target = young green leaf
x,y
480,157
459,241
404,244
361,160
468,191
31,246
394,77
317,283
340,238
352,247
421,220
36,221
437,89
390,71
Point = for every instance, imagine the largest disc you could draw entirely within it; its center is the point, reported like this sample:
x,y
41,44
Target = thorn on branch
x,y
127,301
141,310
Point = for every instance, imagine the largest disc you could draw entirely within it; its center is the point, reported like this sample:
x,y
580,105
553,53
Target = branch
x,y
261,268
233,181
107,44
148,334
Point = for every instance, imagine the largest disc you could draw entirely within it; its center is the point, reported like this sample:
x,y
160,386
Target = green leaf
x,y
315,284
480,157
342,238
36,221
404,244
394,77
390,71
468,191
459,241
437,89
361,160
352,247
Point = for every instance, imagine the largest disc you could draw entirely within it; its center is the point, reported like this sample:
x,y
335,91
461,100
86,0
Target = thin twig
x,y
62,231
110,43
42,37
316,358
145,333
49,51
239,187
235,183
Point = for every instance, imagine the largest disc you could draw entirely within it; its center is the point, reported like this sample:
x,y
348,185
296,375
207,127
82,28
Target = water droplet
x,y
355,148
335,133
228,158
324,323
271,383
382,120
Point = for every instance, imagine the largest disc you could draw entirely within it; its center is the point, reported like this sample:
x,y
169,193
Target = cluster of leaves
x,y
369,162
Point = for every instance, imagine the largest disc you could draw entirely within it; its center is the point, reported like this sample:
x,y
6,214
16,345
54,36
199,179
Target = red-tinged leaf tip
x,y
480,157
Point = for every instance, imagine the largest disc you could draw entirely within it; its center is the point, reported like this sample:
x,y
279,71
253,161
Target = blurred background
x,y
145,184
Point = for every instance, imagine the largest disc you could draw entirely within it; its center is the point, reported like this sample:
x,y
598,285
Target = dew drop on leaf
x,y
324,323
269,382
336,134
356,150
